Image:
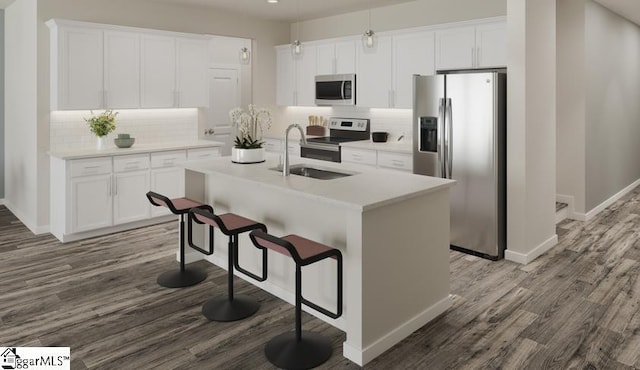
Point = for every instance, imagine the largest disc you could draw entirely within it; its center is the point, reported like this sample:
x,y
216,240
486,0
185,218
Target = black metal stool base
x,y
286,352
222,309
181,279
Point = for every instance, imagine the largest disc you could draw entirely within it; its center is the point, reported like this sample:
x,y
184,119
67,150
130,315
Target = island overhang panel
x,y
393,230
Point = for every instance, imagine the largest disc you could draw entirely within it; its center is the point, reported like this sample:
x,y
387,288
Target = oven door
x,y
330,153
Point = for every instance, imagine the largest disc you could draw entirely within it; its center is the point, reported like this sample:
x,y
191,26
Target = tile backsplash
x,y
397,122
68,129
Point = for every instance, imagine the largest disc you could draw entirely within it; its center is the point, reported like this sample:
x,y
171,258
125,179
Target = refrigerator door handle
x,y
441,143
449,120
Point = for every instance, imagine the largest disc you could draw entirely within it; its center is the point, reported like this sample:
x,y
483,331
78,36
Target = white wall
x,y
571,85
21,173
406,15
598,112
1,104
28,132
531,128
612,105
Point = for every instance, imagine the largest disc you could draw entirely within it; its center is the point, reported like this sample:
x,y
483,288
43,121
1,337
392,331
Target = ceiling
x,y
629,9
287,10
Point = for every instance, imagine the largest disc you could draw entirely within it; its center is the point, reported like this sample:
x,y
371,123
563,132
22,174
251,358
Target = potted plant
x,y
101,125
247,147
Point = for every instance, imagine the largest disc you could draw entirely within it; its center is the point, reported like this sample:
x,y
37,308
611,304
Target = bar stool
x,y
300,349
233,307
183,277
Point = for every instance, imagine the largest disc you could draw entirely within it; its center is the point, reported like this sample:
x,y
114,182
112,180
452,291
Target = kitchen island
x,y
392,228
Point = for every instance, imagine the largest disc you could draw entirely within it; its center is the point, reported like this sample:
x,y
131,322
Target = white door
x,y
455,48
374,88
90,202
326,59
158,70
81,69
491,43
122,69
285,77
191,73
306,81
413,54
345,61
129,196
224,95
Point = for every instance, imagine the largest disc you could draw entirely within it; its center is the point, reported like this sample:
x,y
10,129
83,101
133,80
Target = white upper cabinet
x,y
412,54
122,69
491,43
337,57
296,76
481,46
456,48
191,72
286,77
158,71
306,76
96,66
76,68
374,78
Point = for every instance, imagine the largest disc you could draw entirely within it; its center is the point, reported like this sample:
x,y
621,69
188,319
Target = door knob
x,y
209,131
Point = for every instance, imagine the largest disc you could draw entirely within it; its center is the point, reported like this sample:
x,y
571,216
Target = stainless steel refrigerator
x,y
459,132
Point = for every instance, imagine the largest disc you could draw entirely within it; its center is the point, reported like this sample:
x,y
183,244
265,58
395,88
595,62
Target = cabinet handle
x,y
106,99
115,186
398,163
473,56
91,167
109,187
478,57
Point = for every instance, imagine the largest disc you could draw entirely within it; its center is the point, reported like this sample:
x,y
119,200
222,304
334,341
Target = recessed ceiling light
x,y
273,1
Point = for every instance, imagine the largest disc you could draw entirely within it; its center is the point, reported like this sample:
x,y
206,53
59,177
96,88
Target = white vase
x,y
101,143
247,155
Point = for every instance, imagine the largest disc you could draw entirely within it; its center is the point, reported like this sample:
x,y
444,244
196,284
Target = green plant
x,y
102,124
251,125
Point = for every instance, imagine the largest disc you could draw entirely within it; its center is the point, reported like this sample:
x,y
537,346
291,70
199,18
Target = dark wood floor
x,y
575,307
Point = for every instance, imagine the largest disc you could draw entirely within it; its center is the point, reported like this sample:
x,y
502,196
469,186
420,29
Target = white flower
x,y
248,123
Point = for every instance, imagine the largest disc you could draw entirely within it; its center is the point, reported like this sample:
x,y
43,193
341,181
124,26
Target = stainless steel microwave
x,y
336,89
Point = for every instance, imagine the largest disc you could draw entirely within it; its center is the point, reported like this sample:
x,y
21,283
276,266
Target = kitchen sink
x,y
315,172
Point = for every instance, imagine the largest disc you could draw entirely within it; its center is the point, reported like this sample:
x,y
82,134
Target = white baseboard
x,y
1,202
361,357
599,208
26,221
536,252
570,209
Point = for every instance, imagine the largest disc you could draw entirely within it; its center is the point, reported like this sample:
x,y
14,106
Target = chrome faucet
x,y
303,140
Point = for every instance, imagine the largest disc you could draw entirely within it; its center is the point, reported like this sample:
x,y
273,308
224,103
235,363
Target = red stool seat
x,y
228,223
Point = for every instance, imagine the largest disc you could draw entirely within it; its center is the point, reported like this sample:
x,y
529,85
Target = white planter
x,y
101,143
247,155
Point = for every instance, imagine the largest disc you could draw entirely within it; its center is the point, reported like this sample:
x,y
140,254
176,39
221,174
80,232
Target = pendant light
x,y
369,37
245,55
296,45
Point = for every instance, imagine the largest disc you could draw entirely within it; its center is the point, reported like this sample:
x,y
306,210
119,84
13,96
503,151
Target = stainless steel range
x,y
341,130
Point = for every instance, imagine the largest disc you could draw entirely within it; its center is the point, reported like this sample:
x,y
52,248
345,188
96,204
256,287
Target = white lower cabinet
x,y
359,156
395,161
129,197
92,196
90,203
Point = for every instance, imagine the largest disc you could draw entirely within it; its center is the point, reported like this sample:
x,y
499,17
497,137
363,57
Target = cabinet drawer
x,y
398,161
92,166
167,159
204,153
361,156
132,162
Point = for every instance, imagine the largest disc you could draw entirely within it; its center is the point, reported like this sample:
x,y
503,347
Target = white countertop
x,y
135,149
369,188
389,146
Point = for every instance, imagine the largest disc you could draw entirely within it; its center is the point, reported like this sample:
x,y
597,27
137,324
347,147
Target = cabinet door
x,y
129,196
191,73
122,69
80,69
90,203
413,54
285,77
306,81
326,59
158,71
373,86
168,182
345,57
455,48
491,44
